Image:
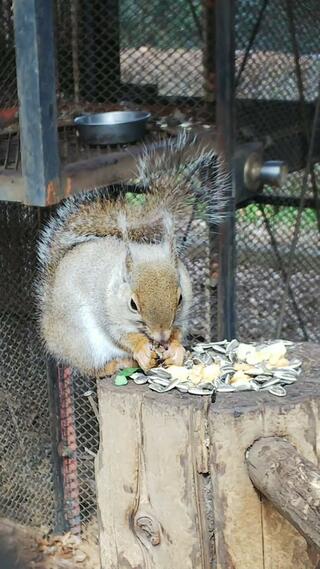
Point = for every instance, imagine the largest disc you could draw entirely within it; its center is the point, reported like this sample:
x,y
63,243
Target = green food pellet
x,y
120,380
126,372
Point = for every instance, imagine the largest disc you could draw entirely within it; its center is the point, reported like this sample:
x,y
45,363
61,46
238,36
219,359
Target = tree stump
x,y
172,479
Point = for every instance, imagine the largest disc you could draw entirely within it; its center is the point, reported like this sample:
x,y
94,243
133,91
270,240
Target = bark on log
x,y
289,481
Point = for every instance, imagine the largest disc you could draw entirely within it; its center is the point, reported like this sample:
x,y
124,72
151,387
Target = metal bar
x,y
208,55
55,423
6,160
68,451
35,57
225,143
74,9
285,201
61,526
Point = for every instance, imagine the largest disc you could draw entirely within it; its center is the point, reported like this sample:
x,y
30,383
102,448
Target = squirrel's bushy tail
x,y
178,177
184,172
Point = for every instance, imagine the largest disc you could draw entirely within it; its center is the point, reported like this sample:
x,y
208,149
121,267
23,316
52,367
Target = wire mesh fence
x,y
26,478
277,80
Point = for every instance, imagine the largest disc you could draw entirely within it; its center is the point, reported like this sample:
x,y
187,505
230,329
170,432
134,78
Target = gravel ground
x,y
259,283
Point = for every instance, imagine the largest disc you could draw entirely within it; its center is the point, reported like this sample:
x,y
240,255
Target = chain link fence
x,y
158,55
26,479
277,78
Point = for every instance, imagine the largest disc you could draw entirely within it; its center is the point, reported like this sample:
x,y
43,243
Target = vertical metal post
x,y
57,461
35,62
68,451
225,120
209,58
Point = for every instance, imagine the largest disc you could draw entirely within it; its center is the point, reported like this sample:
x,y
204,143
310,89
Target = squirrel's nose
x,y
162,336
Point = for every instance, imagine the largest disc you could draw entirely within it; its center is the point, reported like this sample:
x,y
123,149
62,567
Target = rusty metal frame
x,y
34,40
225,120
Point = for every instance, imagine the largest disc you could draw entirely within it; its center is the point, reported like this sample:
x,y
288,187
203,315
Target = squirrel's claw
x,y
146,357
174,355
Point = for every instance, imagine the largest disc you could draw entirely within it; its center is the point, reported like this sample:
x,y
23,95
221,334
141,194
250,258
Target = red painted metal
x,y
68,451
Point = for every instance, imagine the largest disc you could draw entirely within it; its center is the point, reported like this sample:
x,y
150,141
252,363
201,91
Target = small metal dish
x,y
117,127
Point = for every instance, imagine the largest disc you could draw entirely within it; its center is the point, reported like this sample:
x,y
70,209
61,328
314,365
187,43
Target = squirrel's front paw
x,y
174,355
145,356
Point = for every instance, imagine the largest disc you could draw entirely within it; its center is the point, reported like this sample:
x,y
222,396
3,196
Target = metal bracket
x,y
252,173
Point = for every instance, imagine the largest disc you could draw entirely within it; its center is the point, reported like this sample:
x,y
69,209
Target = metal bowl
x,y
116,127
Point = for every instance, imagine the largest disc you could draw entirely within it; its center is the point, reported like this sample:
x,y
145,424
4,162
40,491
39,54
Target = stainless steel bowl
x,y
116,127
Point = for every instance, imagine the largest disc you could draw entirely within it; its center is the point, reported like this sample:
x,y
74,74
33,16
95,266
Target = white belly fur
x,y
101,346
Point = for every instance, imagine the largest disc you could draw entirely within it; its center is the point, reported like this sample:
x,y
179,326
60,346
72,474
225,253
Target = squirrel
x,y
111,286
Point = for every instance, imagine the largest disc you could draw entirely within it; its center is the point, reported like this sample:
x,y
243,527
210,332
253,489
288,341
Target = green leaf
x,y
120,380
126,372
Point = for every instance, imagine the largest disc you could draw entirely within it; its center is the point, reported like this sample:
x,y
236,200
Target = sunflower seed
x,y
295,364
139,378
172,384
219,348
285,375
269,383
207,359
158,372
287,381
197,361
225,388
232,346
227,379
199,391
242,386
254,386
198,350
262,378
157,388
206,385
158,381
183,387
277,390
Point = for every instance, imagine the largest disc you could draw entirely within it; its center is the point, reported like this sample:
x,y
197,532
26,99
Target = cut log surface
x,y
172,480
289,481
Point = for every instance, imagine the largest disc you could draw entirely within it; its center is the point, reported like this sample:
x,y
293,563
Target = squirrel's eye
x,y
133,305
180,300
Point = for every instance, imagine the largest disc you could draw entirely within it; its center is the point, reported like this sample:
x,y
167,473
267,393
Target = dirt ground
x,y
22,547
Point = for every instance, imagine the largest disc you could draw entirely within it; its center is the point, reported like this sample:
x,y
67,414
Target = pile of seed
x,y
226,367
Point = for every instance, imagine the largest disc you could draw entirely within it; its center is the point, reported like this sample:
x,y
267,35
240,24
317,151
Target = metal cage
x,y
245,72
